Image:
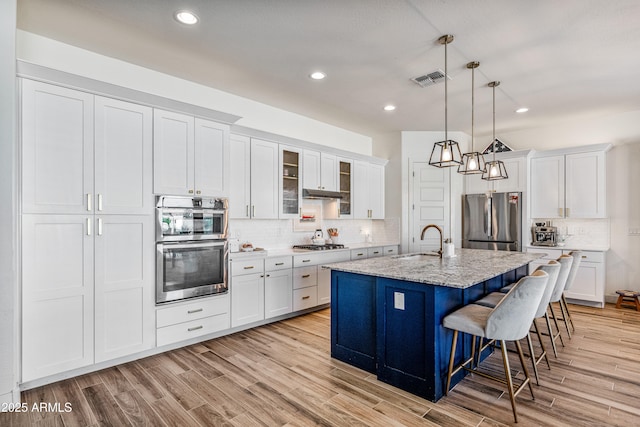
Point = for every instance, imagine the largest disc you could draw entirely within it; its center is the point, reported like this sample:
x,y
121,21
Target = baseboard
x,y
11,397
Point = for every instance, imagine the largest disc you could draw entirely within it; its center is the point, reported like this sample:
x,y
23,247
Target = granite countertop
x,y
467,268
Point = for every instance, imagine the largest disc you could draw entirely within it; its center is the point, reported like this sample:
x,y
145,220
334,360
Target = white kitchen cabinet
x,y
85,280
83,153
390,250
247,299
517,181
57,294
324,285
124,285
569,186
345,186
264,179
191,155
240,177
278,293
320,170
589,283
359,254
290,188
191,319
368,190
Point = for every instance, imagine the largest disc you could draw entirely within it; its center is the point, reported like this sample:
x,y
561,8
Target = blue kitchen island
x,y
386,313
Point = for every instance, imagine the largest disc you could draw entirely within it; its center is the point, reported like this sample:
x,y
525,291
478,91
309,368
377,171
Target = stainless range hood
x,y
308,193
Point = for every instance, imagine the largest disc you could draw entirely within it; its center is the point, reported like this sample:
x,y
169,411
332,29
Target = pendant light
x,y
494,169
445,153
472,162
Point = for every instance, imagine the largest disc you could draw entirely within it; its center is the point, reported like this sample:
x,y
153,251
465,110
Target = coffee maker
x,y
544,235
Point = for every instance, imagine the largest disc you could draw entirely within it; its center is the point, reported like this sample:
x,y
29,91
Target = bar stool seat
x,y
507,321
628,298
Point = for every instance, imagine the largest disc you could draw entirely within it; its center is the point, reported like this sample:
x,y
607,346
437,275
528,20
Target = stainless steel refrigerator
x,y
493,222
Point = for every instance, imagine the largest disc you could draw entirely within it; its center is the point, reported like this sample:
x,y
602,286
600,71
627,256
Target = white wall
x,y
60,56
8,229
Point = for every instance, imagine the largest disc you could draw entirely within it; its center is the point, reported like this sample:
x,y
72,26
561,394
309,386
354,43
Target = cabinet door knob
x,y
198,192
190,191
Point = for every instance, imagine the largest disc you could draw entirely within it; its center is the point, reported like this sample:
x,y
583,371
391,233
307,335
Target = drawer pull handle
x,y
359,254
307,297
279,263
248,267
195,328
376,252
304,276
197,310
268,275
306,260
584,257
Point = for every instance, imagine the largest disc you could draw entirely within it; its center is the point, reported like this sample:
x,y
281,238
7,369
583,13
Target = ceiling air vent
x,y
430,79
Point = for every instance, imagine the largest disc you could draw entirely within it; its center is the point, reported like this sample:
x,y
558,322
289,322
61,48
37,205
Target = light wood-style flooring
x,y
282,374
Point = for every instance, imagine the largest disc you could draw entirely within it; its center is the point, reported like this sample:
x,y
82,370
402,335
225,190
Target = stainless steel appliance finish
x,y
191,218
191,248
544,236
492,222
325,247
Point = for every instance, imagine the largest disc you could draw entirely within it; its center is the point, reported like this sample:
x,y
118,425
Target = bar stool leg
x,y
524,368
533,359
553,341
555,320
507,374
565,316
566,307
544,350
451,358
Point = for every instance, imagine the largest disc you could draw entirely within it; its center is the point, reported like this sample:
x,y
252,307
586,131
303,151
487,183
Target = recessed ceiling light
x,y
389,107
186,17
522,110
318,75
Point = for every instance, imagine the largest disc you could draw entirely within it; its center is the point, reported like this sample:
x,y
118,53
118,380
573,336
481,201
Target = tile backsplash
x,y
582,233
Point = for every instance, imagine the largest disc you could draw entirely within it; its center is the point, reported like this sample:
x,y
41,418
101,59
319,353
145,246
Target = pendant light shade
x,y
495,169
445,153
472,162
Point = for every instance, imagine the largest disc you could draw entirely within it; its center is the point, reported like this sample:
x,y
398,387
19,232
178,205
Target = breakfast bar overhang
x,y
386,313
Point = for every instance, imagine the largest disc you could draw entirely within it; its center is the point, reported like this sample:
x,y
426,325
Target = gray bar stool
x,y
566,316
509,320
556,296
553,270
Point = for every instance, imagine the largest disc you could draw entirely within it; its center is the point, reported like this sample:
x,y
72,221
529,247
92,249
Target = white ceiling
x,y
565,60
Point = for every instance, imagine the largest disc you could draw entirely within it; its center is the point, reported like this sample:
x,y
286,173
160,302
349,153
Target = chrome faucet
x,y
424,230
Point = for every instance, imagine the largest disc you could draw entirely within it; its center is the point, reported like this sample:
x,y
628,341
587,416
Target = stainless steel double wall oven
x,y
191,247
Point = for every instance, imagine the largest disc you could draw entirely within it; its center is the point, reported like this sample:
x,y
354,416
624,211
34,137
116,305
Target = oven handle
x,y
193,211
199,244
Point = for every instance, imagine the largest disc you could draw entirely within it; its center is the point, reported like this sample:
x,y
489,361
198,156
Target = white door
x,y
211,161
376,191
173,156
57,294
240,177
311,169
124,285
360,190
585,185
278,293
264,179
429,205
57,149
247,299
123,157
547,187
329,172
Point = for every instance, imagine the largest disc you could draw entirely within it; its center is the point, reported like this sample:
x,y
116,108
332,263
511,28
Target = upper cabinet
x,y
191,155
240,177
368,190
290,188
320,171
516,170
84,153
569,185
345,186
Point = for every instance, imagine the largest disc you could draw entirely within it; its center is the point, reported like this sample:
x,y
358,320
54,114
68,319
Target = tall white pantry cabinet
x,y
87,229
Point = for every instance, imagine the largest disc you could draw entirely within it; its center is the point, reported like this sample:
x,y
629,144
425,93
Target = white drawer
x,y
193,310
278,263
358,254
305,298
305,276
375,252
587,256
306,260
390,250
247,267
328,257
194,328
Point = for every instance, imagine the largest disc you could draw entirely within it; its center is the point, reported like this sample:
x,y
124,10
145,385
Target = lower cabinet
x,y
87,290
588,286
278,292
247,302
324,285
184,321
305,287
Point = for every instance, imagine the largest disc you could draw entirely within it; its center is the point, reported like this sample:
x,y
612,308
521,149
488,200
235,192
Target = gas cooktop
x,y
325,247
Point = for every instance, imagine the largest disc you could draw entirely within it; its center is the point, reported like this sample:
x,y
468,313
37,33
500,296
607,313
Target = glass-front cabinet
x,y
291,184
345,182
